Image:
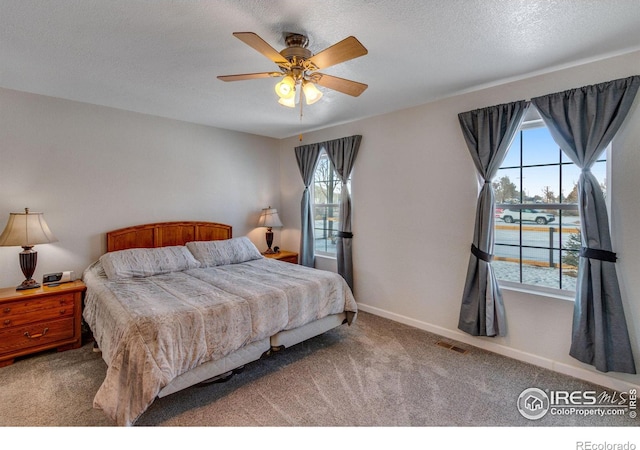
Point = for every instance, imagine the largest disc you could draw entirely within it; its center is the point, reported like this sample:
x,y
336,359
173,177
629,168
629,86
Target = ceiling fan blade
x,y
249,76
348,87
344,50
259,44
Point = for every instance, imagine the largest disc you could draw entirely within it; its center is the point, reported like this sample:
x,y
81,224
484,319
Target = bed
x,y
174,304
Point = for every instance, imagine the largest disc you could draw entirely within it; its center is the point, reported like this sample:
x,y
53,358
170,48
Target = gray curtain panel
x,y
307,157
488,133
583,122
342,153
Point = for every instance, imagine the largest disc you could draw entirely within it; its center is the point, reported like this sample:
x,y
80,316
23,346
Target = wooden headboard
x,y
164,234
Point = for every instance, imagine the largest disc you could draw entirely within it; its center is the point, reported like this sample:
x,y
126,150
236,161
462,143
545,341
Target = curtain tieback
x,y
594,253
344,234
480,254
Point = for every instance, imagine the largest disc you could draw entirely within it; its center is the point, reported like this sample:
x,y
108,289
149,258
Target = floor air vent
x,y
451,347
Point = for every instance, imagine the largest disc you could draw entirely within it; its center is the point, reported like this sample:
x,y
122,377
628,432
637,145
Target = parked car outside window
x,y
527,215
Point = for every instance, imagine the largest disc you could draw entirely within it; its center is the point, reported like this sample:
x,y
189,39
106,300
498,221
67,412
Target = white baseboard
x,y
485,344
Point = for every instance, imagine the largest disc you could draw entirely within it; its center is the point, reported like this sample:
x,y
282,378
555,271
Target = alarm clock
x,y
53,279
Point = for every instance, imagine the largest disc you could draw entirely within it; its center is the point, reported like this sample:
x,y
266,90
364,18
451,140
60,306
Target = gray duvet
x,y
153,329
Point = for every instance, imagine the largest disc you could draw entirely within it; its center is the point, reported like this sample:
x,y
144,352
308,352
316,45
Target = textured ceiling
x,y
162,57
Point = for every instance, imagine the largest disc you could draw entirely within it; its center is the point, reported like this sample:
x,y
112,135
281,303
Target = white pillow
x,y
145,262
227,251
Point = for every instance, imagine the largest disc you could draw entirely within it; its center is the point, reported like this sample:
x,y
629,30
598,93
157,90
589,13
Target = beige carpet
x,y
374,373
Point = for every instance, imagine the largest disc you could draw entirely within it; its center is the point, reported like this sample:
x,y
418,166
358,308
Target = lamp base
x,y
269,237
28,284
269,252
28,260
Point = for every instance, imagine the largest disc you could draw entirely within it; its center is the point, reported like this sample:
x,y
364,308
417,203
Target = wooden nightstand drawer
x,y
40,334
35,304
46,308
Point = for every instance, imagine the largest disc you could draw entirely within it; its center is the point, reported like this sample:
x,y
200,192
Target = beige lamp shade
x,y
26,230
269,218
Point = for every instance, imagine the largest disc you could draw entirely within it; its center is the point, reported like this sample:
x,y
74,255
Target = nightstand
x,y
283,255
40,319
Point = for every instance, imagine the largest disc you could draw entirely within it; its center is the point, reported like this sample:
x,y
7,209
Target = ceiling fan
x,y
299,67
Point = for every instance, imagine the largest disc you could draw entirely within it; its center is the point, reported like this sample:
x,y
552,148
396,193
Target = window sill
x,y
329,257
326,262
539,291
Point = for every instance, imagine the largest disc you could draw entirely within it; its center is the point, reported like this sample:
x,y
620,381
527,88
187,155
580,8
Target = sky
x,y
540,148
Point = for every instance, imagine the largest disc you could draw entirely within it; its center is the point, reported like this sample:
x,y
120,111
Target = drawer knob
x,y
62,311
37,335
6,310
7,322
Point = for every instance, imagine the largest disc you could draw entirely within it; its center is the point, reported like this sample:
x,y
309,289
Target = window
x,y
326,206
537,228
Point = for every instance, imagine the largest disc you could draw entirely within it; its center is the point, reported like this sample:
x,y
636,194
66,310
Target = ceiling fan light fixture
x,y
286,87
298,65
311,93
289,101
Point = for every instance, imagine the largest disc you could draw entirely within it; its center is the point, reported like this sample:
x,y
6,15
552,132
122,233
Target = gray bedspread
x,y
153,329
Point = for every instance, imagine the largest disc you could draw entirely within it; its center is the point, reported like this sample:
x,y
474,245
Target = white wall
x,y
414,193
92,169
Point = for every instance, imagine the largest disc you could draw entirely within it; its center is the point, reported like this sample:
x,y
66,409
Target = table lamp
x,y
26,230
269,219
